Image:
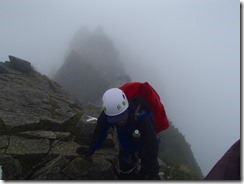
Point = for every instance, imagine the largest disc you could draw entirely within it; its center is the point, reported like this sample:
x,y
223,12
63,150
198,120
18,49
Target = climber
x,y
136,134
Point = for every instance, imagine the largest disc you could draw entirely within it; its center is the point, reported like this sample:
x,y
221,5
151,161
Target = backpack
x,y
145,94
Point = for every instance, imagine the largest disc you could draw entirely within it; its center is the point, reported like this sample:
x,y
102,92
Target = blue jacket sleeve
x,y
100,132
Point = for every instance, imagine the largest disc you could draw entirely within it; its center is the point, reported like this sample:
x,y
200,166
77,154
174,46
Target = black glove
x,y
84,150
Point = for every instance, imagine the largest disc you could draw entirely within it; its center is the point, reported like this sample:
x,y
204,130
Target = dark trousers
x,y
127,166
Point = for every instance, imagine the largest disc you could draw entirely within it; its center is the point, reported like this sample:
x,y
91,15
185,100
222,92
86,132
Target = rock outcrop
x,y
41,126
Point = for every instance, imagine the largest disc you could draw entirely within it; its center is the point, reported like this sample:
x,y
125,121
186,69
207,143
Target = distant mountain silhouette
x,y
91,66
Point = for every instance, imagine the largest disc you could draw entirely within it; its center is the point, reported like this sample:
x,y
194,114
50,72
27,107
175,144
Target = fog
x,y
189,50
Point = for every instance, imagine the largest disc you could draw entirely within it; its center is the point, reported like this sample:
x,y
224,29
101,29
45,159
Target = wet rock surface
x,y
41,126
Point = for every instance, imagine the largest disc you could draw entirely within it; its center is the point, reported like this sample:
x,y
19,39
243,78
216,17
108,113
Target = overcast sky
x,y
189,50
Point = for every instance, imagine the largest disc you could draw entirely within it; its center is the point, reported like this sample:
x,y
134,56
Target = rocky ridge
x,y
41,126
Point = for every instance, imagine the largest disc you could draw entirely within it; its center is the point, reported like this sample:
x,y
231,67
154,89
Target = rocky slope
x,y
41,126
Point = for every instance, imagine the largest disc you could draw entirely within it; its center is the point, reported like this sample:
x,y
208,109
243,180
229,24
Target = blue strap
x,y
143,116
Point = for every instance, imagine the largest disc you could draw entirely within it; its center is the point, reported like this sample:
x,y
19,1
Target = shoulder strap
x,y
140,114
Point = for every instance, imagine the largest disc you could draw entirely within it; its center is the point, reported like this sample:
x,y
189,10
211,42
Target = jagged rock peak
x,y
91,65
80,38
99,31
83,35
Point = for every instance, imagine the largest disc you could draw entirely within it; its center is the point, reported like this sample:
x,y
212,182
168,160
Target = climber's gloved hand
x,y
84,150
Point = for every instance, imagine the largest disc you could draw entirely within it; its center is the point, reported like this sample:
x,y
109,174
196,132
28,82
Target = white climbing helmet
x,y
115,105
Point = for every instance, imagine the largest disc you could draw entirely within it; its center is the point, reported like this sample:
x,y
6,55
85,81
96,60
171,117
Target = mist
x,y
188,50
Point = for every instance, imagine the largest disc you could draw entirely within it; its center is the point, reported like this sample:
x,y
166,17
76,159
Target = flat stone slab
x,y
22,146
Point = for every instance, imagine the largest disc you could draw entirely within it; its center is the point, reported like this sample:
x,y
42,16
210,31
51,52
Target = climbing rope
x,y
137,167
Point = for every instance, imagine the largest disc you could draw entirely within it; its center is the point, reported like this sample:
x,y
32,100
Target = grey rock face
x,y
41,128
